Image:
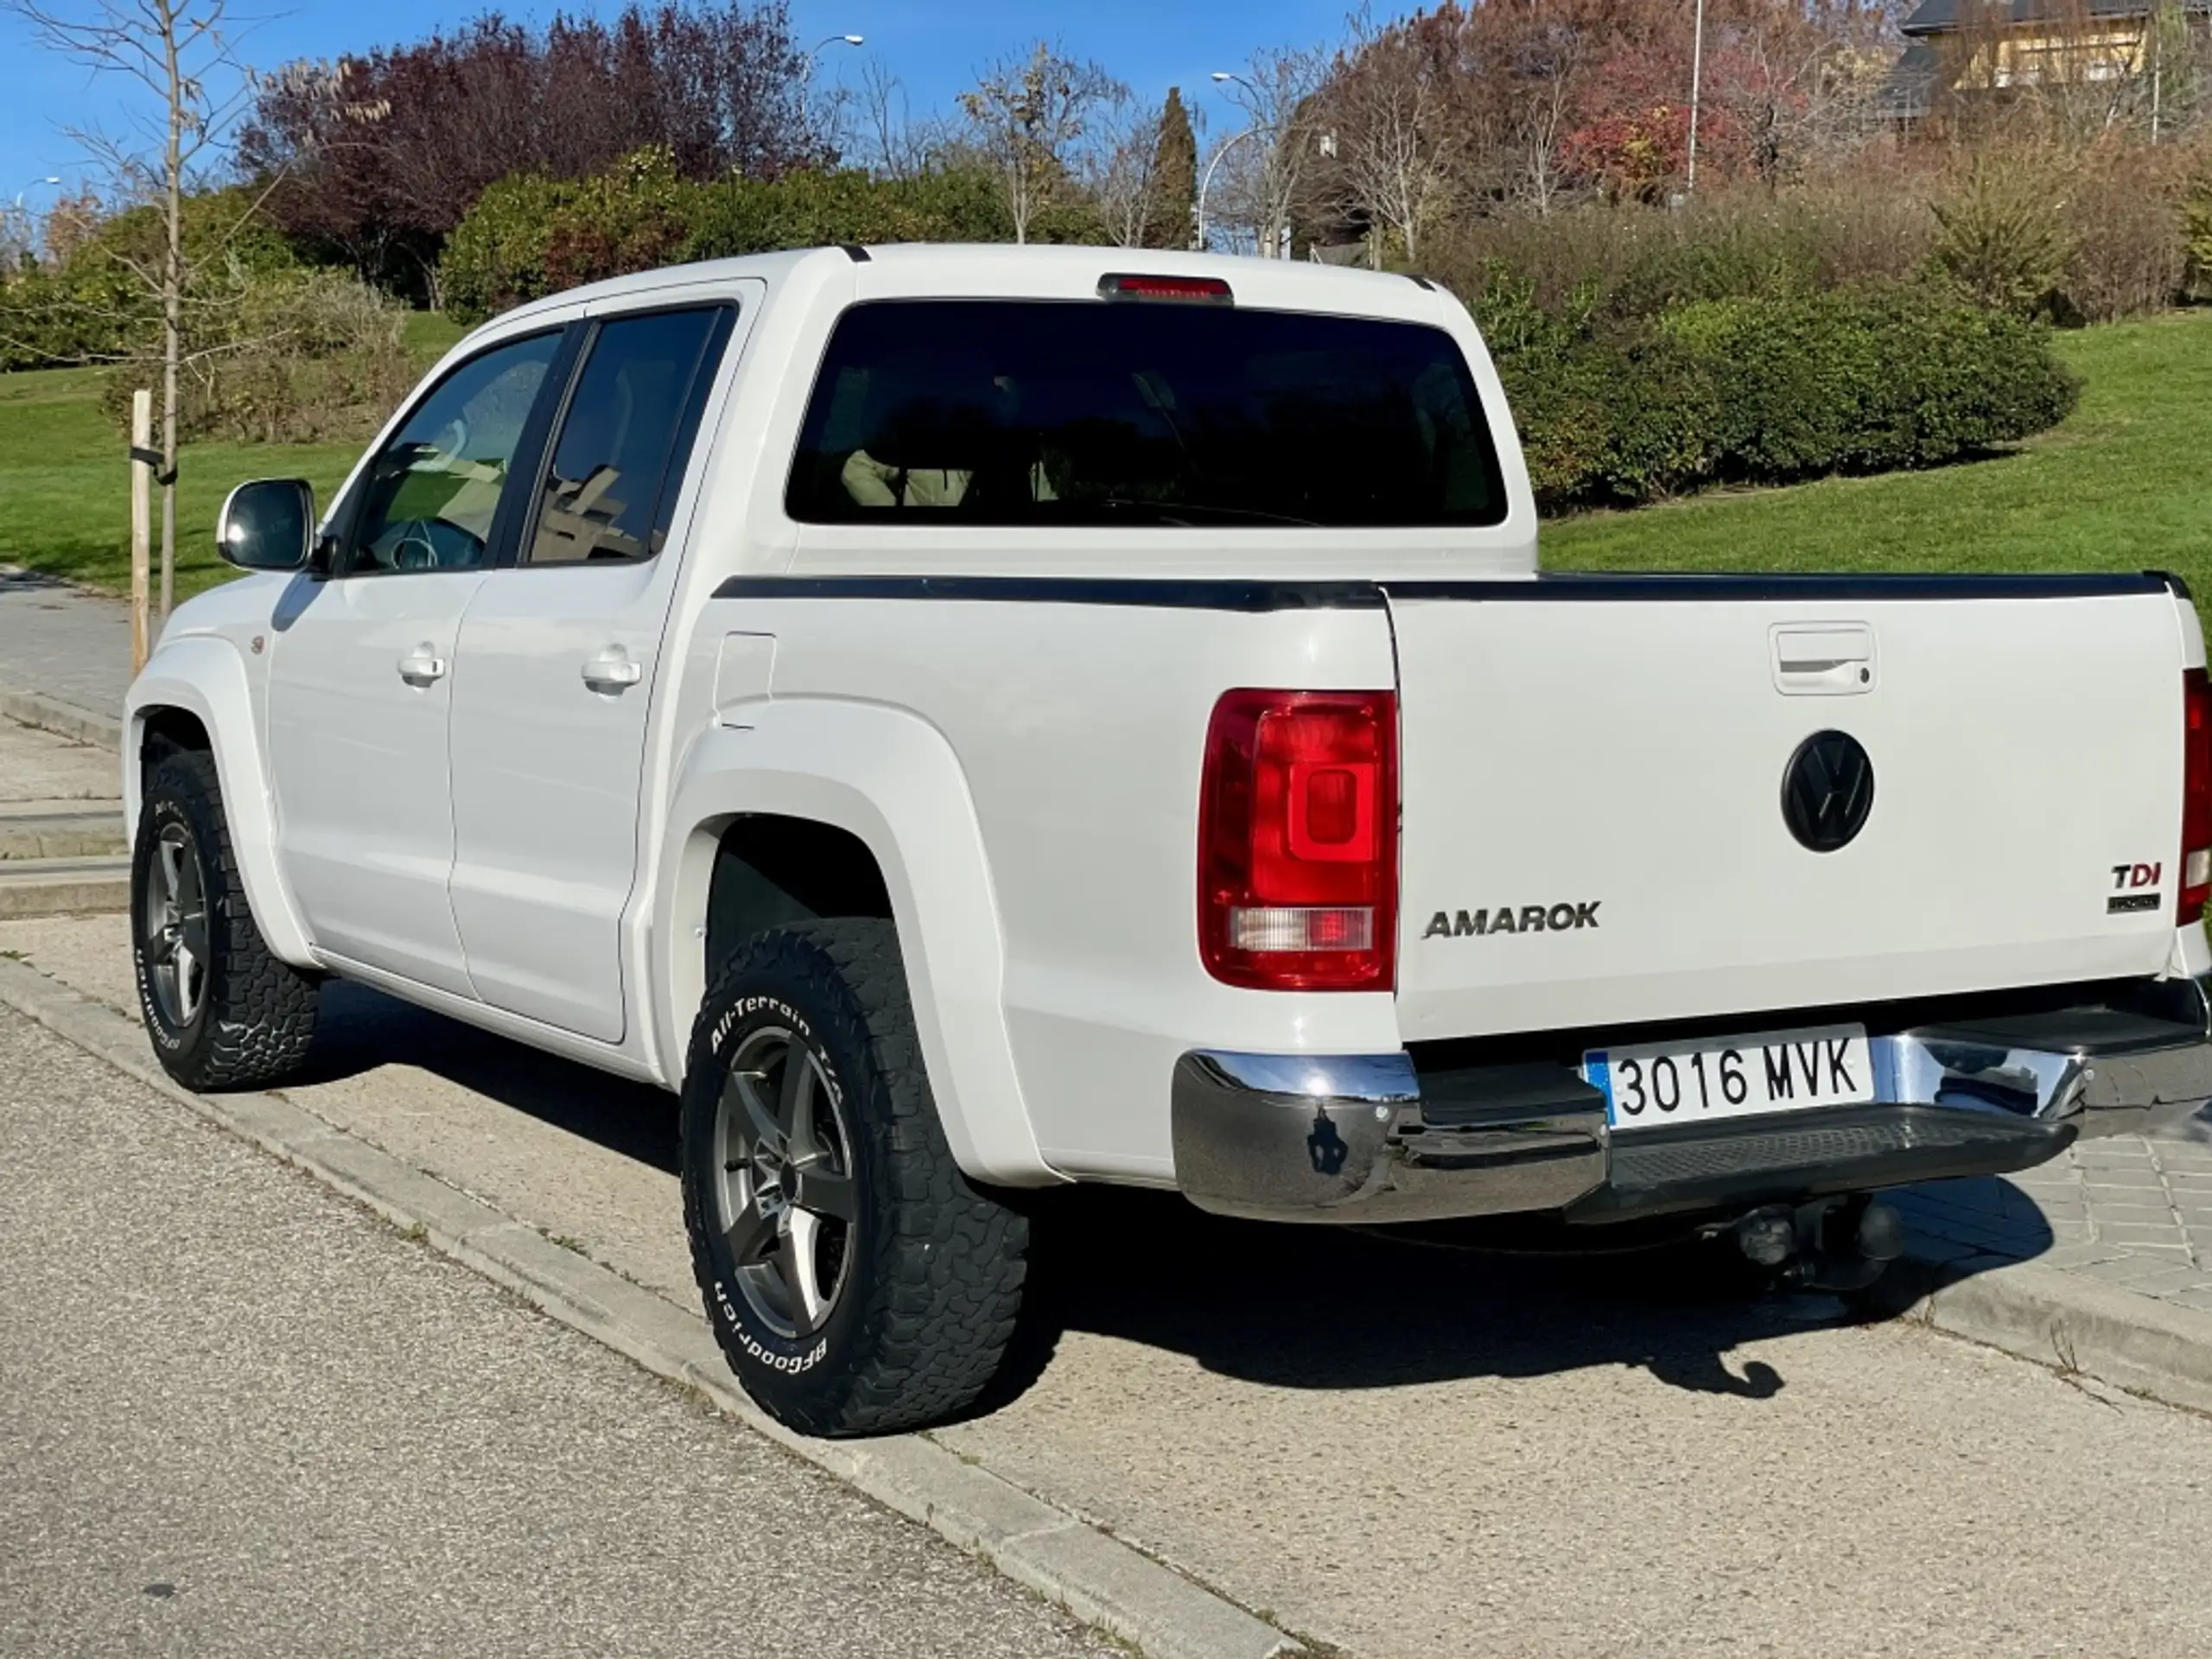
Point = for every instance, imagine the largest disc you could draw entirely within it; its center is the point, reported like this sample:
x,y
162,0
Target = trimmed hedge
x,y
1763,390
527,236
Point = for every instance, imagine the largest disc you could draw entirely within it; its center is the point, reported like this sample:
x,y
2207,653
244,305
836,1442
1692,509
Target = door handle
x,y
611,671
421,665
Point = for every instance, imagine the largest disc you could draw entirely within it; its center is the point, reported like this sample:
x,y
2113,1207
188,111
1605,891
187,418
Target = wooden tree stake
x,y
142,523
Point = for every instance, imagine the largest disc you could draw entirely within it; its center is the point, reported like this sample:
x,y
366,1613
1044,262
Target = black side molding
x,y
1199,595
1230,594
1596,587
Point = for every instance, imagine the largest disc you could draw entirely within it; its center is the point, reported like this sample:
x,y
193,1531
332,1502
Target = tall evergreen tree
x,y
1177,171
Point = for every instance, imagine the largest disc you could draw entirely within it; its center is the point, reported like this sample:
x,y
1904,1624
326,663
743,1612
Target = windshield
x,y
1044,412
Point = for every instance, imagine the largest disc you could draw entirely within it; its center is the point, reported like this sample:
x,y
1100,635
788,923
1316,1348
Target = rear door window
x,y
1042,412
626,436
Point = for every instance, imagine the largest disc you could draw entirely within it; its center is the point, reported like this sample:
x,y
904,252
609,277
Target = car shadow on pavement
x,y
1328,1307
1319,1307
361,1029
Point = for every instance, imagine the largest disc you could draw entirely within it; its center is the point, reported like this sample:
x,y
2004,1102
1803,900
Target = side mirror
x,y
267,525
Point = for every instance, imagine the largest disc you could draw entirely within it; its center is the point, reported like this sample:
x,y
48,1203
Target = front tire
x,y
223,1010
859,1283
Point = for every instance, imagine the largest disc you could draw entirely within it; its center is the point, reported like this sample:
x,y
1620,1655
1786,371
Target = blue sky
x,y
933,46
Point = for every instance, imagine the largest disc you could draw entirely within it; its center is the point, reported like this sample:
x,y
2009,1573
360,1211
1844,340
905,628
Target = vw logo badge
x,y
1828,790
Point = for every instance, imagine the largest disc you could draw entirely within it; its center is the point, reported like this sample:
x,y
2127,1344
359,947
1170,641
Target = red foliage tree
x,y
378,157
1597,91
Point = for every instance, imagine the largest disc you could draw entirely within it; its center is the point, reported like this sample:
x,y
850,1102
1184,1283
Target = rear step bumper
x,y
1370,1137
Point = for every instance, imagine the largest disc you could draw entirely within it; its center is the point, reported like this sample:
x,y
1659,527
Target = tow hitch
x,y
1828,1244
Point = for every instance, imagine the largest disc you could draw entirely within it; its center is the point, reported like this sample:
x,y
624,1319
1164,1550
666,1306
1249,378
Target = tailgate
x,y
1598,777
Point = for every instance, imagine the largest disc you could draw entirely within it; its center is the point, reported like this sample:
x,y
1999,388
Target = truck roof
x,y
948,270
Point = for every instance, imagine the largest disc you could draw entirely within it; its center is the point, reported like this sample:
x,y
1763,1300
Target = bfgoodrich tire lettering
x,y
917,1273
223,1011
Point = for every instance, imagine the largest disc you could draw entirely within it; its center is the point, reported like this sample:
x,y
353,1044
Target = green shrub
x,y
1761,390
527,236
97,307
1790,379
1606,412
287,356
496,257
82,314
2003,236
1906,376
2197,230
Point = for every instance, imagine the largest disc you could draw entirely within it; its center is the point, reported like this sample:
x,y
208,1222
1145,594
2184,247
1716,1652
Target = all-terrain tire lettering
x,y
930,1298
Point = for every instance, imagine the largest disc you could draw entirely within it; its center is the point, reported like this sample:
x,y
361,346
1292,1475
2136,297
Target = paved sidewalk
x,y
63,642
2133,1211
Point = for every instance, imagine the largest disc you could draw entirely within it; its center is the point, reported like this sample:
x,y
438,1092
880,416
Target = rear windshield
x,y
1045,412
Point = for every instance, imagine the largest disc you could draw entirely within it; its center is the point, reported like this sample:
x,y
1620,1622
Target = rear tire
x,y
859,1283
223,1010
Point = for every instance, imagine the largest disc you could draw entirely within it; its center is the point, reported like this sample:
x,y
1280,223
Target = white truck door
x,y
361,674
549,717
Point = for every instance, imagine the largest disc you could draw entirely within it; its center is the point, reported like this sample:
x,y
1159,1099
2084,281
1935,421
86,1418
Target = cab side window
x,y
626,436
431,493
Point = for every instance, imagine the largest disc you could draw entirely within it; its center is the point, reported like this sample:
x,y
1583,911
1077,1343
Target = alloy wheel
x,y
784,1184
174,927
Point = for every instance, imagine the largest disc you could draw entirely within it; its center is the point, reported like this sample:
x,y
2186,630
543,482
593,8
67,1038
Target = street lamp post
x,y
51,178
1221,77
830,41
1697,90
1206,181
806,86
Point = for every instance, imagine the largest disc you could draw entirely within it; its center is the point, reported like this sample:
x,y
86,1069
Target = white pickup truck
x,y
973,720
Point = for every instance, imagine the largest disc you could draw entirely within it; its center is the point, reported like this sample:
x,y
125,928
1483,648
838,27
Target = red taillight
x,y
1297,841
1206,290
2196,794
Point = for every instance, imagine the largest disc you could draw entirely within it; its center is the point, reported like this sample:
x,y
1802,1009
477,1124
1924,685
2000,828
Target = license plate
x,y
1655,1083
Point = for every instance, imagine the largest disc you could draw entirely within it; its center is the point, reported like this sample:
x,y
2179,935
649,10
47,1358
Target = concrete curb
x,y
62,719
1068,1561
2076,1326
63,887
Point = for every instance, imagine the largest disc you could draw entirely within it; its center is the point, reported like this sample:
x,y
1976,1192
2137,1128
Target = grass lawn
x,y
65,484
2124,485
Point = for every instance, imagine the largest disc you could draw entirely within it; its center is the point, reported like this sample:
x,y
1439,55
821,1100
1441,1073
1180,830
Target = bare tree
x,y
1540,111
180,51
1121,168
1275,94
1395,140
1026,118
894,143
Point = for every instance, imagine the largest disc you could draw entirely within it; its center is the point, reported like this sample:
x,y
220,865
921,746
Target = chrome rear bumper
x,y
1373,1138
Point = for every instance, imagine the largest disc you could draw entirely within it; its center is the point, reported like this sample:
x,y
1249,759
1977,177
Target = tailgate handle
x,y
1823,660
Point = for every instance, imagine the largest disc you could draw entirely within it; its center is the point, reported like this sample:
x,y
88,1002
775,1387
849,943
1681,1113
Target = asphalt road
x,y
239,1416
